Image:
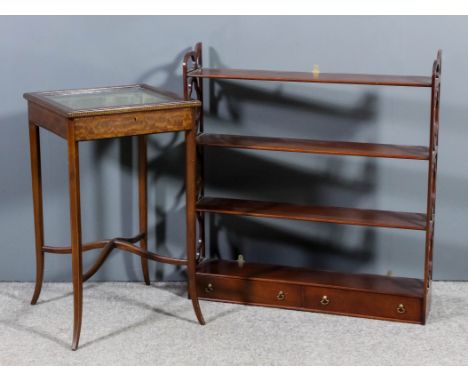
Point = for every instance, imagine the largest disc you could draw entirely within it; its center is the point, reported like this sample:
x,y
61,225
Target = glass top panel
x,y
108,98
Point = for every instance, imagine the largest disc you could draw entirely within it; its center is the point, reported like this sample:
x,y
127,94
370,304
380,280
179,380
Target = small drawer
x,y
248,291
373,305
136,123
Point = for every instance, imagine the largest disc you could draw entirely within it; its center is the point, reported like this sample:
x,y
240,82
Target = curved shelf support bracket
x,y
193,89
432,176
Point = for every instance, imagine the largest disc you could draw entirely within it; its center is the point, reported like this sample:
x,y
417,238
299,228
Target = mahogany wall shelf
x,y
372,296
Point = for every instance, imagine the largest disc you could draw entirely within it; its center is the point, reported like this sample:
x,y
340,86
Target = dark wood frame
x,y
372,296
90,124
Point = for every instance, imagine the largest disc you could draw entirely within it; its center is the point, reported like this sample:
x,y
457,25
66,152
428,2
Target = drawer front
x,y
137,123
249,291
373,305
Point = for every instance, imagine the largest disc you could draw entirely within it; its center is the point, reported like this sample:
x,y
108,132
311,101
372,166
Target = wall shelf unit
x,y
371,296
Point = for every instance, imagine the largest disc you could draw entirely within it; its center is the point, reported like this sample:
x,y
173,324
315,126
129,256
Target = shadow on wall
x,y
296,178
158,151
264,176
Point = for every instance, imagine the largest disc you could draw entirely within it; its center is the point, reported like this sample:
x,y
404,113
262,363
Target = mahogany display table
x,y
111,112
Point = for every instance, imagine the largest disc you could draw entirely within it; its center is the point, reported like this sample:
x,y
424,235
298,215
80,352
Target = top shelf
x,y
327,78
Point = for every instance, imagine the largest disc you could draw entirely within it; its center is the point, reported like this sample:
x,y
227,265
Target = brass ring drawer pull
x,y
209,288
324,300
401,309
281,296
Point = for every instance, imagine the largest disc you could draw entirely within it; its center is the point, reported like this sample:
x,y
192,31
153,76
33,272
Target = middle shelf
x,y
325,214
312,146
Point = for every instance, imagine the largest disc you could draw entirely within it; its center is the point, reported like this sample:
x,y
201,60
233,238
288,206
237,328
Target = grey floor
x,y
132,324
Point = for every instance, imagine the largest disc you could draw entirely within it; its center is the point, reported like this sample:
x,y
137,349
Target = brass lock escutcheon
x,y
324,300
209,288
280,296
401,309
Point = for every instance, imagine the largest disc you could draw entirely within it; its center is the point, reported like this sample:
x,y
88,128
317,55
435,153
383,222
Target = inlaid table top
x,y
108,100
110,112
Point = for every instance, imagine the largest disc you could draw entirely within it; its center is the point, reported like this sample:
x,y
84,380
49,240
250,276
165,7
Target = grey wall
x,y
45,53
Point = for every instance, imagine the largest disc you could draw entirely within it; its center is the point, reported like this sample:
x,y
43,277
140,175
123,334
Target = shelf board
x,y
401,286
314,146
338,215
330,78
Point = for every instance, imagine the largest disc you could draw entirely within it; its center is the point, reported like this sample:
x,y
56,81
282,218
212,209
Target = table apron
x,y
137,123
47,119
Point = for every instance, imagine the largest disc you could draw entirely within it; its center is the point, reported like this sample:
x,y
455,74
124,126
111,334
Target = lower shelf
x,y
370,296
